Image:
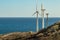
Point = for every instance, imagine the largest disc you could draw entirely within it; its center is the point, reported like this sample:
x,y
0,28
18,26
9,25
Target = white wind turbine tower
x,y
42,12
36,16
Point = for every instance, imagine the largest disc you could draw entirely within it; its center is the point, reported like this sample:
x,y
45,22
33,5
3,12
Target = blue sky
x,y
25,8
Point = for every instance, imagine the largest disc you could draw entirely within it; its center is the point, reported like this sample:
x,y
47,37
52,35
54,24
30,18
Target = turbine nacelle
x,y
36,13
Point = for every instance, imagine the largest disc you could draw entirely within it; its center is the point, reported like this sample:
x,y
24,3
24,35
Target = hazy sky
x,y
25,8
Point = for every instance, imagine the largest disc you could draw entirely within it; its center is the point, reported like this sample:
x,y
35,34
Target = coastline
x,y
50,33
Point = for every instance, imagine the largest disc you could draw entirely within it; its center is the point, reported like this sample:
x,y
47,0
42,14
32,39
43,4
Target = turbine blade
x,y
34,13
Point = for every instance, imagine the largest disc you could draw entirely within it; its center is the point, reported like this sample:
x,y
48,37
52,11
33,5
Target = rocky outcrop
x,y
17,36
49,33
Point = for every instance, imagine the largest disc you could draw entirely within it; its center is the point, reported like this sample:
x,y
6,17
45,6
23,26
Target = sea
x,y
22,24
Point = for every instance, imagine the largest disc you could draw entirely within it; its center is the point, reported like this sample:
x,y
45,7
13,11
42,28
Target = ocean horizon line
x,y
28,17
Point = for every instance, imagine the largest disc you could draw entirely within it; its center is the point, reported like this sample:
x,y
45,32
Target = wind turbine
x,y
42,12
36,12
47,19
